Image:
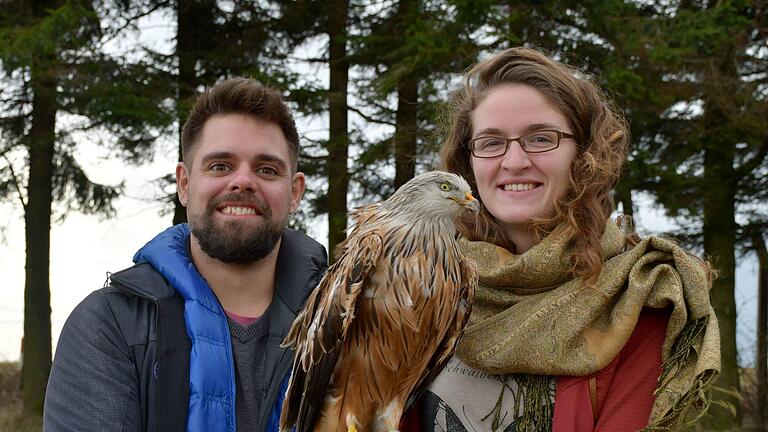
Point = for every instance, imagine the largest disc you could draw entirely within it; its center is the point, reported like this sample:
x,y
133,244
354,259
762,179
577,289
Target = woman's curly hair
x,y
602,141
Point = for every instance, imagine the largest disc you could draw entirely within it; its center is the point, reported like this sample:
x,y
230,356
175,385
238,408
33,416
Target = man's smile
x,y
238,210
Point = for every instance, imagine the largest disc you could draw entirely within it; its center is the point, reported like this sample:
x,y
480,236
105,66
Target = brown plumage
x,y
387,315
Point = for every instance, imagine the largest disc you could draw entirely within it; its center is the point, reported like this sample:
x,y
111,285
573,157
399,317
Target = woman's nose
x,y
515,159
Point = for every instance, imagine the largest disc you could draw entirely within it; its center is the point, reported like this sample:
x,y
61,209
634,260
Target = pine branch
x,y
753,162
310,60
133,19
90,126
369,118
4,152
15,180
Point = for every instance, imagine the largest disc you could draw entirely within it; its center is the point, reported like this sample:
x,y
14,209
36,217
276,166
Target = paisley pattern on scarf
x,y
531,317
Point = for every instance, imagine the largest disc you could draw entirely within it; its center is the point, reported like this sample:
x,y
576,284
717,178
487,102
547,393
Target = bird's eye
x,y
445,187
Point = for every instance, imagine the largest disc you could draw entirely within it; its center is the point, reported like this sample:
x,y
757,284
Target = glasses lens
x,y
489,146
540,141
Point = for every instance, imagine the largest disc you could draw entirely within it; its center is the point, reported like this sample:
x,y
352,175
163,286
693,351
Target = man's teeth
x,y
238,210
519,187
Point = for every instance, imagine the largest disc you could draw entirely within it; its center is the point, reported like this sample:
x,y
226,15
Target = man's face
x,y
239,187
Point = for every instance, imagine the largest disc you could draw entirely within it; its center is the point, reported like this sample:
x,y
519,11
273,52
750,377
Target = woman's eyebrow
x,y
528,129
490,131
540,126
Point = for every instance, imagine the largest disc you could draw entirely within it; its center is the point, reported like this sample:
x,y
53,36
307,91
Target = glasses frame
x,y
560,136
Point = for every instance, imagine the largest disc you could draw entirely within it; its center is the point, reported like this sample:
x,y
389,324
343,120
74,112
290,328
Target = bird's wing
x,y
363,213
451,339
320,329
358,217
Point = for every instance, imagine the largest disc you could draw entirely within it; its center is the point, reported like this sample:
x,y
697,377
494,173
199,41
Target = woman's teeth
x,y
519,187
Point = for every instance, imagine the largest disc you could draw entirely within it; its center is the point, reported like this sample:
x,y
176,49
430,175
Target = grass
x,y
11,419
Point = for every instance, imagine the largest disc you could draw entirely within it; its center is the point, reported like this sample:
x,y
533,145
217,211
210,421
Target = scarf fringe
x,y
682,350
539,407
696,401
690,408
534,399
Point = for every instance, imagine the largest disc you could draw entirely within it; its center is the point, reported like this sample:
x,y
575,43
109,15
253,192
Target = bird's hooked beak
x,y
470,202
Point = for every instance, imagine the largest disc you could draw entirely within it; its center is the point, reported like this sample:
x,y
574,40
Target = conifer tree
x,y
709,150
57,82
408,53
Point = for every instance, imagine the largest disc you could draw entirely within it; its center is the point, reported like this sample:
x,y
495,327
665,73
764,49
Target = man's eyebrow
x,y
221,155
265,157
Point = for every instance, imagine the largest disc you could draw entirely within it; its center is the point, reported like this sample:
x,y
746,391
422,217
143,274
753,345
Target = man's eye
x,y
219,167
267,171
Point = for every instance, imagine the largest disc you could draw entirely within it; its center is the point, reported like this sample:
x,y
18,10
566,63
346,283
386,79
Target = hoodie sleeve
x,y
93,384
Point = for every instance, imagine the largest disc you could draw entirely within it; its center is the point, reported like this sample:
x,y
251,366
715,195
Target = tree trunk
x,y
194,27
406,128
37,230
338,139
720,188
624,196
719,246
762,333
406,116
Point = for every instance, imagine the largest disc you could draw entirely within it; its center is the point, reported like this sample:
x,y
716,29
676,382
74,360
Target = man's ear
x,y
297,190
182,183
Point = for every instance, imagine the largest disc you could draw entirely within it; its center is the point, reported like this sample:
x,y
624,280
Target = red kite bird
x,y
387,315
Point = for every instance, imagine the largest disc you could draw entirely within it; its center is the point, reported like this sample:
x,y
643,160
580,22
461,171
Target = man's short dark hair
x,y
240,96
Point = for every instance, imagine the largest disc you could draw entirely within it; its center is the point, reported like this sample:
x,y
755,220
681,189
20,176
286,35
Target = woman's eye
x,y
542,138
491,143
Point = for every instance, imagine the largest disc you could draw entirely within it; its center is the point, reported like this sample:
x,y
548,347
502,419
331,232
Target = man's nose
x,y
243,180
515,159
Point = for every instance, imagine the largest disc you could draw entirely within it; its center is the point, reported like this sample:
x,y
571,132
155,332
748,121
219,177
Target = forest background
x,y
92,92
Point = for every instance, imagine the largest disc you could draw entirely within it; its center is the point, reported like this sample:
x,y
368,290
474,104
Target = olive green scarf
x,y
530,317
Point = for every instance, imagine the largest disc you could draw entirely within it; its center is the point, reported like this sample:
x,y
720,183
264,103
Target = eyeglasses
x,y
491,146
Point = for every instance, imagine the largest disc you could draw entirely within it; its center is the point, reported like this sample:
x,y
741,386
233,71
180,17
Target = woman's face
x,y
518,187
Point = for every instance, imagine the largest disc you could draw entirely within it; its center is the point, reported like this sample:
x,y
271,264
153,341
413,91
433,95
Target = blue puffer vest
x,y
211,368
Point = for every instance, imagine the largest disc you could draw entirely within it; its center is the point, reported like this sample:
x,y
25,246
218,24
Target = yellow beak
x,y
470,202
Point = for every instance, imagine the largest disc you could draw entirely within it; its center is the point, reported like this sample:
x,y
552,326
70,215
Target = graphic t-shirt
x,y
465,399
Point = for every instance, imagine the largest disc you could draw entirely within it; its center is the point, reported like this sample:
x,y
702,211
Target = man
x,y
189,337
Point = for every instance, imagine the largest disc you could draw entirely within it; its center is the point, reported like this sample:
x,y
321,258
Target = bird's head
x,y
436,193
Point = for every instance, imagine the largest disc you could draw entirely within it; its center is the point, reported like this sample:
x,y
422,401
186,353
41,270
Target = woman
x,y
577,325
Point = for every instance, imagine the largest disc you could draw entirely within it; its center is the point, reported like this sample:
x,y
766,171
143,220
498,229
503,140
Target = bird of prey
x,y
387,316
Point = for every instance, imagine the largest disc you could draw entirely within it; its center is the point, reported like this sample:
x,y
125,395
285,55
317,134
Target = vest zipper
x,y
285,367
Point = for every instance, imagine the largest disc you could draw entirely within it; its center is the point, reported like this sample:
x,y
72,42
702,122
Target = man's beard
x,y
236,242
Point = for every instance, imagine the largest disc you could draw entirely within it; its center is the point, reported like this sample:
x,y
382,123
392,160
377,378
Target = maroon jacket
x,y
620,396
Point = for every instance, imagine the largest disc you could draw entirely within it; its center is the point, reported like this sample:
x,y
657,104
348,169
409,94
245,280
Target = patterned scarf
x,y
530,317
